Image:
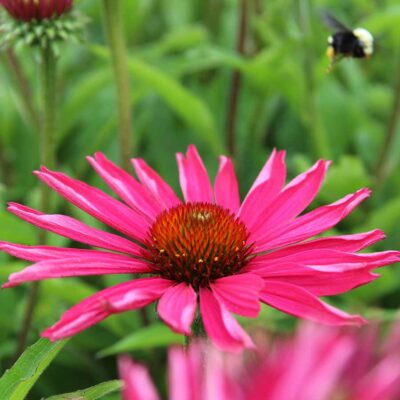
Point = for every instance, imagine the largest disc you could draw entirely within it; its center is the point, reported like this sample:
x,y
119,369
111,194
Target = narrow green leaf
x,y
92,393
156,335
16,383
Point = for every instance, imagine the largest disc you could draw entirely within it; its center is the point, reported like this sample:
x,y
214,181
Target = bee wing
x,y
333,23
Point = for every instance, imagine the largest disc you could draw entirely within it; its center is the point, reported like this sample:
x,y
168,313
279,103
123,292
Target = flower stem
x,y
116,40
383,164
48,74
318,137
23,88
234,89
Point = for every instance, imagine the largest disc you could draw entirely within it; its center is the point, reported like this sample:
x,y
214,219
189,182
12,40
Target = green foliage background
x,y
182,55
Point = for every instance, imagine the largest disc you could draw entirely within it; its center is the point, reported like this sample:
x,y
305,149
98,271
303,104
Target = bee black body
x,y
348,44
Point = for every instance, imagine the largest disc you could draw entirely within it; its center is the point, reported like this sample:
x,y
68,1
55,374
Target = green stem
x,y
116,40
234,89
23,88
383,164
317,134
47,157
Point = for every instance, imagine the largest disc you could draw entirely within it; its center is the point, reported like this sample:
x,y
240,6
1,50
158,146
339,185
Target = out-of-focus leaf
x,y
156,335
92,393
387,20
185,104
81,97
344,177
13,229
368,294
386,217
16,383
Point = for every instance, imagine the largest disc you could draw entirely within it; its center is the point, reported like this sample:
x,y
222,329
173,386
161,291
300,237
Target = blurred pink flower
x,y
317,363
209,249
28,10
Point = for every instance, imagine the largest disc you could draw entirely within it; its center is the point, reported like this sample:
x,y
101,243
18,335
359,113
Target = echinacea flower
x,y
29,10
315,363
209,250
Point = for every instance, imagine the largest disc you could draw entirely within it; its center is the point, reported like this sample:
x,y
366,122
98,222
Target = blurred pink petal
x,y
313,363
136,379
185,372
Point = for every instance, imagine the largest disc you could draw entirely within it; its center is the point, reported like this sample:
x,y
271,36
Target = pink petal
x,y
193,177
309,366
137,382
41,253
239,293
226,186
74,229
155,184
299,302
185,372
381,382
220,326
85,265
126,296
97,204
296,196
346,243
126,187
329,260
316,282
310,224
266,187
177,307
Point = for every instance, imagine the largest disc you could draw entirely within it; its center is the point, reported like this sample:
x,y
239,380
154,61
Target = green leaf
x,y
92,393
16,383
156,335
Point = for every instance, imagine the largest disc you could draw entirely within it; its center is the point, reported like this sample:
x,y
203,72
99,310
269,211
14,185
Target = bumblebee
x,y
346,42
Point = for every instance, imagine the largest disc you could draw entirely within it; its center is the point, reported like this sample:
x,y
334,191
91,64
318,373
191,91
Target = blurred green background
x,y
182,58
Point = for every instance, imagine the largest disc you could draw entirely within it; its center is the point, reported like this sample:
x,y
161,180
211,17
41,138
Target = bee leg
x,y
334,60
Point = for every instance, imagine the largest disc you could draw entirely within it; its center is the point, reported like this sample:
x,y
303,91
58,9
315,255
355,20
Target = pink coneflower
x,y
316,363
29,10
209,249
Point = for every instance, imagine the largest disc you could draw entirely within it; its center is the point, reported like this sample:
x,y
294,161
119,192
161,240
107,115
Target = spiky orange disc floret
x,y
197,243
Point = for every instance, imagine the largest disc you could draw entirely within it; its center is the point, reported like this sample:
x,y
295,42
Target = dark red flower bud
x,y
28,10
